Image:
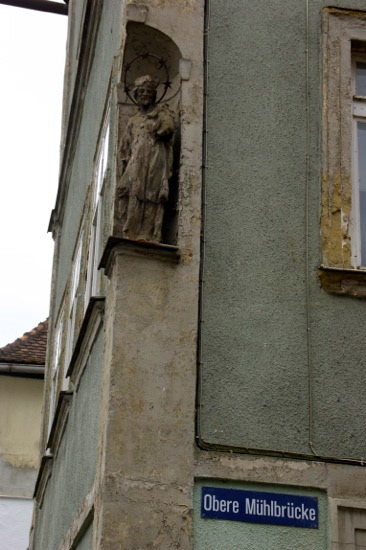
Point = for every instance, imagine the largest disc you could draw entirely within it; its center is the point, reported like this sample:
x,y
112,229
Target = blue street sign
x,y
259,507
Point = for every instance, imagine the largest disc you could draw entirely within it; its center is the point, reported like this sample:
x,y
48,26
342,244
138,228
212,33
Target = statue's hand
x,y
164,130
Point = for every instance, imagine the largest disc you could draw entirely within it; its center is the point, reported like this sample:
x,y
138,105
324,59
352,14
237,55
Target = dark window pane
x,y
360,78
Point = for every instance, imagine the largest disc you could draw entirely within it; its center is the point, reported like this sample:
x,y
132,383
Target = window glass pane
x,y
102,166
361,139
360,78
76,273
105,149
58,342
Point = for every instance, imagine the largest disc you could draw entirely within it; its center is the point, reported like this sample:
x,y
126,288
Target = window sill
x,y
347,282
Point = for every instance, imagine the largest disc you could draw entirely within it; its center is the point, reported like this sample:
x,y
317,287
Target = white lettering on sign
x,y
258,507
213,504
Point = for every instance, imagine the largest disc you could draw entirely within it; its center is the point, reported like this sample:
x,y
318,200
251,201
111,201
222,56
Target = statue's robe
x,y
144,185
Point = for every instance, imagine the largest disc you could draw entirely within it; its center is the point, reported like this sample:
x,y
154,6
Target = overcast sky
x,y
32,57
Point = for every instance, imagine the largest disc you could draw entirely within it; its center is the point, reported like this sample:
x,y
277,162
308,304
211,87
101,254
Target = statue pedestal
x,y
118,246
148,416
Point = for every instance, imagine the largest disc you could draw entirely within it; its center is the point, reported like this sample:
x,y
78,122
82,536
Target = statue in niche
x,y
146,156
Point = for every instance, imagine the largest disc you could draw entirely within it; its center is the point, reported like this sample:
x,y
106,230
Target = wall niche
x,y
148,150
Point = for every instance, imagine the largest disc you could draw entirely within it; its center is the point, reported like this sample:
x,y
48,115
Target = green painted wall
x,y
263,384
213,534
74,466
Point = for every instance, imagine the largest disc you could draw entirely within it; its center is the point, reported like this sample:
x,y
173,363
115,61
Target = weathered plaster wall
x,y
20,421
20,425
340,481
150,415
282,361
74,466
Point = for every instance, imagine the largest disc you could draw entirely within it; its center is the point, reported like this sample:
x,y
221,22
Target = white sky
x,y
32,57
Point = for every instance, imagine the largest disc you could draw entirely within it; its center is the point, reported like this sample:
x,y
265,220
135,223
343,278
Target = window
x,y
66,322
56,365
359,160
74,294
94,277
343,217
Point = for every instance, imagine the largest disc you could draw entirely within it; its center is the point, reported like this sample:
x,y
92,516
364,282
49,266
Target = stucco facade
x,y
218,358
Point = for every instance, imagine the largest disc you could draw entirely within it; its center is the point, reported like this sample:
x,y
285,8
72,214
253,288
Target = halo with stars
x,y
160,66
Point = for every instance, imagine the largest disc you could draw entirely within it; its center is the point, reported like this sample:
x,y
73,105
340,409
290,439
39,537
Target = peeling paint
x,y
335,227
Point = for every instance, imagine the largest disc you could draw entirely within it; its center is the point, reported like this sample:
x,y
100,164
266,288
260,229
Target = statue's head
x,y
144,90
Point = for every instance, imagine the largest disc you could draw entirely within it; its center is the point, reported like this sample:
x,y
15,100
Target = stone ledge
x,y
116,246
347,282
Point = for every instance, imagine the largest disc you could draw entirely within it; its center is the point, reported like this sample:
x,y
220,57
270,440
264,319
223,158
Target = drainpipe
x,y
39,5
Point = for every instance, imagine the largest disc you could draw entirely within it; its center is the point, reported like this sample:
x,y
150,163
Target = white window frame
x,y
94,277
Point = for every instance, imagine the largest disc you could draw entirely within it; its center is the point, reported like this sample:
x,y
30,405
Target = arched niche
x,y
149,51
142,39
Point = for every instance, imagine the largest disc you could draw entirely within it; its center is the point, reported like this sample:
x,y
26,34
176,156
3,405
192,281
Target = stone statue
x,y
146,157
